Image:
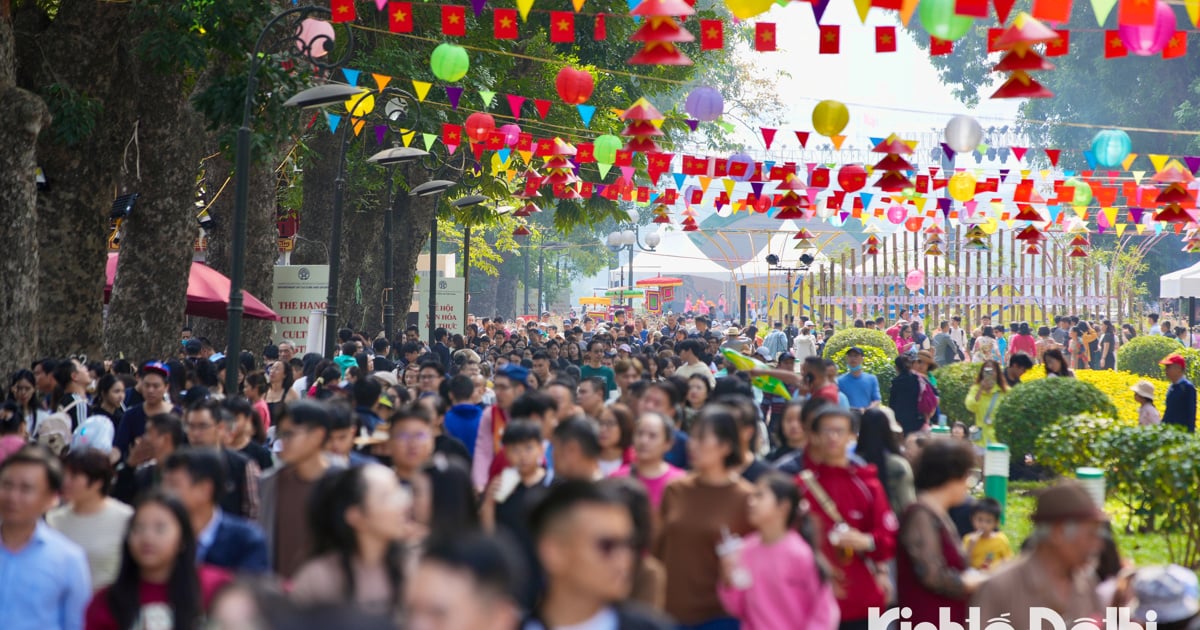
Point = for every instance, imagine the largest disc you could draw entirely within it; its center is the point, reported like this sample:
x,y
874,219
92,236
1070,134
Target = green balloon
x,y
1083,192
605,148
940,20
449,62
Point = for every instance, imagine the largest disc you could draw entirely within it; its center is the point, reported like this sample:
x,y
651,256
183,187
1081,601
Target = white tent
x,y
1180,284
677,256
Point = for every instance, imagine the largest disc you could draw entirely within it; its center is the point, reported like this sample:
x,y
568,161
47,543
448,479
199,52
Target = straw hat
x,y
1144,388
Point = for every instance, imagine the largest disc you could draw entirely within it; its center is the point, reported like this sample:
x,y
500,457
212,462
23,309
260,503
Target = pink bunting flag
x,y
514,103
382,4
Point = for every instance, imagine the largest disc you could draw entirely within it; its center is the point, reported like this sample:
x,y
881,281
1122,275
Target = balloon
x,y
1110,147
574,86
914,280
745,9
704,104
762,203
479,126
360,104
940,20
605,147
1150,40
962,186
316,36
512,133
741,158
449,62
852,177
897,214
1083,192
829,118
963,134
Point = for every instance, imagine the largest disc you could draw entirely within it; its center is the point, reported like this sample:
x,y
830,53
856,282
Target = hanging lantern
x,y
791,204
512,134
977,240
574,86
1020,59
1110,147
941,21
641,130
521,230
871,246
479,126
897,214
962,186
660,32
661,214
1083,192
963,134
746,9
605,148
449,62
1145,41
893,165
560,173
829,118
852,177
704,104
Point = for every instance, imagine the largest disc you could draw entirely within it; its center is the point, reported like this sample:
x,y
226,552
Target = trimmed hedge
x,y
1074,441
1142,354
953,383
1032,406
862,338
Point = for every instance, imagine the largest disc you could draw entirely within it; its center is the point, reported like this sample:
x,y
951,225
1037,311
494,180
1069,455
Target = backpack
x,y
927,400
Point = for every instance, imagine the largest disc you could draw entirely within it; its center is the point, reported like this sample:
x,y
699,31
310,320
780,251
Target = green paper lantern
x,y
940,20
1083,192
449,62
605,148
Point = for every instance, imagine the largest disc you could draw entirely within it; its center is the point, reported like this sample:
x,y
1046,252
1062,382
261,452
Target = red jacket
x,y
863,504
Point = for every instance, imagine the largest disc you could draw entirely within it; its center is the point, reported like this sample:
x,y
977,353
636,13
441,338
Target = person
x,y
592,367
1079,356
1167,594
984,397
775,579
464,584
1143,395
616,437
861,389
71,382
905,395
197,477
1108,346
931,572
591,396
509,383
1018,365
1181,395
208,425
1154,327
652,439
792,437
665,397
987,547
576,446
945,350
585,541
286,489
852,512
649,575
1044,342
506,505
358,517
164,433
805,344
1066,538
462,419
878,444
410,441
22,391
247,435
776,341
48,583
1056,364
690,351
152,385
1022,342
695,510
90,517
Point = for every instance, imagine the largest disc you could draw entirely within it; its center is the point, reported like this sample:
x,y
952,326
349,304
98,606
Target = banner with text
x,y
299,290
451,305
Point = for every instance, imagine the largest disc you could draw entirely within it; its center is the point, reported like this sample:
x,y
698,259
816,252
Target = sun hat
x,y
733,331
1143,388
1170,591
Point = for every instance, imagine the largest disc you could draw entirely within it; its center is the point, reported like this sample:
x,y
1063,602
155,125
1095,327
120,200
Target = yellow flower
x,y
1116,385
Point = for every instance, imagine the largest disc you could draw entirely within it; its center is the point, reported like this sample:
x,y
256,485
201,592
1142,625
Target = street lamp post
x,y
393,205
627,237
432,187
806,260
291,42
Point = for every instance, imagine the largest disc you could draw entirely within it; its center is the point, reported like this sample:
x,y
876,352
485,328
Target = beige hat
x,y
1144,388
892,423
733,331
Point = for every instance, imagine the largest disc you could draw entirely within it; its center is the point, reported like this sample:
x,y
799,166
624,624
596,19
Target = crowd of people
x,y
550,474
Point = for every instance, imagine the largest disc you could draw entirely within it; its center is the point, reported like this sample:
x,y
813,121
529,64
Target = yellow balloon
x,y
830,118
990,226
745,9
962,186
360,104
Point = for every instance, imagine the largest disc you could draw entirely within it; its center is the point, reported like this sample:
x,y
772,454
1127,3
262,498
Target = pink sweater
x,y
786,590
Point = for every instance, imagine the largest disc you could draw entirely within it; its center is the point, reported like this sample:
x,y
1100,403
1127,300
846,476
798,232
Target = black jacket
x,y
904,397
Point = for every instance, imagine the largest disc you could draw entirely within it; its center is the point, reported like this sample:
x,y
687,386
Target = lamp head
x,y
397,155
807,260
633,216
653,239
628,237
322,95
469,200
432,187
772,260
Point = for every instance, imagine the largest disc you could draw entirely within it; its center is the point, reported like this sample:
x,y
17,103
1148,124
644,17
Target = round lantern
x,y
940,20
741,158
704,104
1083,192
1145,41
852,177
830,118
746,9
512,134
479,126
963,134
914,224
762,204
897,214
574,86
1110,147
316,38
962,186
914,280
449,62
605,148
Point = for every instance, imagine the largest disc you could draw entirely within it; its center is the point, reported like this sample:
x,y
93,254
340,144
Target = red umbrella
x,y
660,281
207,293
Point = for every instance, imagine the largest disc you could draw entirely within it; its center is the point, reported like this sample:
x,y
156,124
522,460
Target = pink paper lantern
x,y
914,280
897,214
1145,41
512,133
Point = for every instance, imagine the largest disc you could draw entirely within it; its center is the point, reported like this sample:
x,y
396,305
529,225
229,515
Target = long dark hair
x,y
1056,354
183,587
334,495
24,375
785,489
454,512
876,441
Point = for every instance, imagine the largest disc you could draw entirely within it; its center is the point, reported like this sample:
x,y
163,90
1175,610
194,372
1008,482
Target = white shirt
x,y
804,346
207,536
606,619
101,535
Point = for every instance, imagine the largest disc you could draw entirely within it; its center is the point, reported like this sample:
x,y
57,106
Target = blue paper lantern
x,y
1111,147
705,103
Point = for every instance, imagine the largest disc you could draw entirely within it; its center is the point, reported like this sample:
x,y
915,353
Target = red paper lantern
x,y
479,126
852,177
574,86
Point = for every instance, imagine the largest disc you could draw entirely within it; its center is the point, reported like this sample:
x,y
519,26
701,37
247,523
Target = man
x,y
46,580
541,366
508,383
861,389
592,366
366,395
430,377
344,428
817,382
164,434
945,351
1062,330
1181,395
285,490
464,584
584,537
382,348
1018,365
959,336
591,397
689,351
1154,328
702,324
462,419
286,351
734,340
440,349
1068,535
805,344
576,447
411,441
208,425
668,331
412,334
197,477
628,371
409,353
776,341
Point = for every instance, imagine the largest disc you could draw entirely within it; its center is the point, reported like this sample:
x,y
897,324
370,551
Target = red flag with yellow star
x,y
993,34
831,39
1176,46
562,27
451,135
939,47
885,39
343,11
454,20
400,17
764,36
1058,11
712,34
1060,46
504,23
1113,46
1136,13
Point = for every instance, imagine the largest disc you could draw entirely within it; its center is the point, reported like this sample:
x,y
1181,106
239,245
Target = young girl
x,y
652,440
776,580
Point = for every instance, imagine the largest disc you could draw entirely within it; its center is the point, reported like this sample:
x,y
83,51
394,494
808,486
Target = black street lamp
x,y
806,261
293,43
389,158
432,187
628,237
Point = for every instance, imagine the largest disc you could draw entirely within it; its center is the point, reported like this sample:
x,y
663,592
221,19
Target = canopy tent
x,y
677,255
207,293
783,245
1183,283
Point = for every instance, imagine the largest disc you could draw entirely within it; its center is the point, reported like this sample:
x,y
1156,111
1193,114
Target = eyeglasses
x,y
289,434
427,377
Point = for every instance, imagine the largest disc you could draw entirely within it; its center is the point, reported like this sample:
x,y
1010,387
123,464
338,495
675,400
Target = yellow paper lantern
x,y
962,186
830,118
360,104
746,9
990,226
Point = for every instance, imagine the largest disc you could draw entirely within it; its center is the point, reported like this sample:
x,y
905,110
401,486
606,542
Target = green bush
x,y
1030,407
953,383
1127,452
1175,496
862,338
1193,363
1142,354
876,362
1073,441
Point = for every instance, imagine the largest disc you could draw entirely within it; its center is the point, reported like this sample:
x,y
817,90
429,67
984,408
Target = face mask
x,y
856,369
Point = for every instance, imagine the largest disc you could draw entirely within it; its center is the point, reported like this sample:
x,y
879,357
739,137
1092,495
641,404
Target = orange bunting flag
x,y
1136,13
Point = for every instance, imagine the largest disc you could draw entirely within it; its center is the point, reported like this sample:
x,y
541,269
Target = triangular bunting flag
x,y
1192,161
334,120
578,4
1102,8
487,96
1121,228
407,137
1159,161
453,93
585,114
692,124
358,125
1137,176
351,76
380,133
1053,155
429,139
768,136
1090,156
381,80
837,141
604,168
543,107
1128,161
422,89
1019,152
514,105
802,136
523,6
477,6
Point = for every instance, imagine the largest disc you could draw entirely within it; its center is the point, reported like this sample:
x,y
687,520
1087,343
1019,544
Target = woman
x,y
279,391
359,519
905,395
1091,337
663,398
695,512
879,445
1043,344
1108,347
649,575
652,439
931,572
90,518
1143,394
984,397
412,378
1079,358
159,584
1127,334
444,500
986,348
22,390
70,395
616,438
698,391
255,390
1056,364
904,339
792,437
1023,342
248,436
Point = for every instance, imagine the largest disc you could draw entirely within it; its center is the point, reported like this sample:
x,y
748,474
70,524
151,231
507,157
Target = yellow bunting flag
x,y
1193,11
1139,227
1128,161
1137,176
528,155
863,6
381,80
1159,161
422,89
837,141
1121,228
524,6
1025,173
578,4
729,184
919,202
1110,214
407,136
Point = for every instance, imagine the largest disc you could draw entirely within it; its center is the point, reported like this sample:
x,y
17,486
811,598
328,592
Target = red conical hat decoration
x,y
642,128
1021,85
1173,174
660,54
1027,213
1077,252
1025,30
1032,249
1175,193
521,231
649,8
804,234
562,147
660,32
893,144
662,29
789,212
1026,60
641,144
1172,214
1079,241
1030,233
893,181
642,110
1019,38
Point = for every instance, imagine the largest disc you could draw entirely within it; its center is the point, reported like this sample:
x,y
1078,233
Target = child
x,y
986,547
507,505
775,580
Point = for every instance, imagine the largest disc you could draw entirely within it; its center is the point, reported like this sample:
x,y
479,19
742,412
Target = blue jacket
x,y
462,422
239,546
1181,405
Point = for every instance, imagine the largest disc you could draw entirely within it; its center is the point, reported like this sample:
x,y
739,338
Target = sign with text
x,y
299,290
451,305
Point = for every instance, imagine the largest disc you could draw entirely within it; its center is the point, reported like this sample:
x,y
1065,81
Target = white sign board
x,y
299,290
451,305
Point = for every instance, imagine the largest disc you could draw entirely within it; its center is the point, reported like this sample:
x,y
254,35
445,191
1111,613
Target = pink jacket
x,y
785,589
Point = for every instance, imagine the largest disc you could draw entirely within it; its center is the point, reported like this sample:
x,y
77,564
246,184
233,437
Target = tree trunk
x,y
22,117
361,298
411,237
507,286
483,294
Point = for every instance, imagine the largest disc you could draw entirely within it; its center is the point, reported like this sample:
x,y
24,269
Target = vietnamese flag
x,y
831,39
939,47
400,18
764,36
1060,46
971,8
712,34
1136,13
1058,11
342,11
1177,46
562,27
1113,46
504,23
885,39
454,20
993,35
